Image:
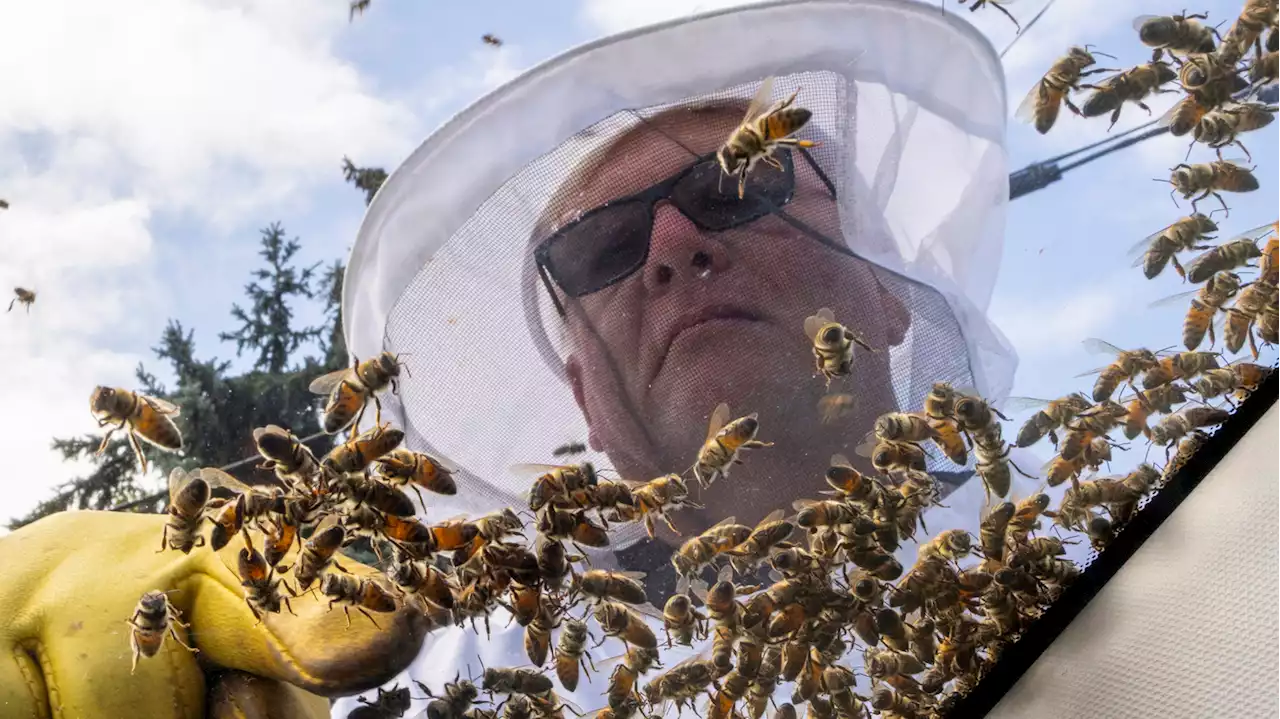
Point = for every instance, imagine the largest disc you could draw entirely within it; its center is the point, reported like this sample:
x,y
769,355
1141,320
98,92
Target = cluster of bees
x,y
927,632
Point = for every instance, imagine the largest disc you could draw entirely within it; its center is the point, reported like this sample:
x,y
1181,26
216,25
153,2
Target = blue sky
x,y
143,170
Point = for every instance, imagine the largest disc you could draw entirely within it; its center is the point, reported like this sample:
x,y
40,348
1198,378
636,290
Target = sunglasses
x,y
609,243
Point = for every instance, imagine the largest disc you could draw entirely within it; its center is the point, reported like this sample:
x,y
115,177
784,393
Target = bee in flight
x,y
349,390
1229,255
1212,178
141,416
1222,126
1132,85
568,449
1162,246
22,296
491,39
1047,96
832,344
1179,35
1206,302
725,440
762,131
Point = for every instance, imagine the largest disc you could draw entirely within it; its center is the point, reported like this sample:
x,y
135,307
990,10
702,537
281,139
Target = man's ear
x,y
574,369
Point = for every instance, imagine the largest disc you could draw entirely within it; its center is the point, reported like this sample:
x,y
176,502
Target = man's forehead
x,y
651,152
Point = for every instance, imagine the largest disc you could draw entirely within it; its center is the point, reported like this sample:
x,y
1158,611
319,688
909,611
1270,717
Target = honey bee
x,y
1100,532
316,555
683,621
403,466
188,495
154,616
832,407
1205,304
1222,126
571,653
569,449
389,703
1182,365
1185,114
1269,264
1188,233
292,461
418,578
1178,425
1156,400
1026,516
1264,70
990,450
554,523
698,552
495,41
1254,18
1211,178
556,484
681,683
849,484
357,453
725,440
349,390
1237,377
616,620
733,687
763,130
1046,98
1132,85
553,563
261,587
22,296
656,497
771,531
141,416
362,593
529,682
281,536
602,585
991,532
827,513
1127,365
890,457
1055,414
458,697
1229,255
1179,35
1209,76
832,344
250,504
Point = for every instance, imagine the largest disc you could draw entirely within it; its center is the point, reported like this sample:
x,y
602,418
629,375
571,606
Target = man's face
x,y
718,317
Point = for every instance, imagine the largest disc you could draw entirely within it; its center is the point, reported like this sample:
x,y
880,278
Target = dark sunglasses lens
x,y
710,197
601,248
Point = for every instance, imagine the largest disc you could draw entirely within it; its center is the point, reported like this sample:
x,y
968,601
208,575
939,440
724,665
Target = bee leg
x,y
133,644
106,437
370,616
742,182
1115,117
137,450
377,405
773,162
164,539
1226,210
174,633
346,612
199,541
1253,346
671,526
1071,105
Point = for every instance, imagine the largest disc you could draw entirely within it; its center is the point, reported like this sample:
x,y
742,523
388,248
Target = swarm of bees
x,y
926,633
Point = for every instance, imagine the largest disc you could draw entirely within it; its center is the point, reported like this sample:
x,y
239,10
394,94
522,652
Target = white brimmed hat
x,y
912,105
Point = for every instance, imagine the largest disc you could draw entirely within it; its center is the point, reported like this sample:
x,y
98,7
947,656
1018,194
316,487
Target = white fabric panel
x,y
1188,628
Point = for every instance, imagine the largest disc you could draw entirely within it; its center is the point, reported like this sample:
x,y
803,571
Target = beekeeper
x,y
565,261
561,262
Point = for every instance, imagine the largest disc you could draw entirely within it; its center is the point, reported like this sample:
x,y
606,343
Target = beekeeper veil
x,y
521,257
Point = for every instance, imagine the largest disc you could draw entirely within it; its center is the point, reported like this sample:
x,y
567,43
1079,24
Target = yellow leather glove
x,y
70,582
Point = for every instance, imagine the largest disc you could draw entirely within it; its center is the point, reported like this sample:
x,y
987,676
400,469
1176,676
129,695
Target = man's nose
x,y
679,251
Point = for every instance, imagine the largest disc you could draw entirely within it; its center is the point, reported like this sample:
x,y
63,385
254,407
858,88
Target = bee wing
x,y
839,460
1141,20
719,416
801,504
178,479
1097,346
760,100
868,446
631,575
1026,111
325,383
1018,404
647,609
1255,234
162,406
218,478
1180,298
1140,247
726,520
325,522
532,470
771,517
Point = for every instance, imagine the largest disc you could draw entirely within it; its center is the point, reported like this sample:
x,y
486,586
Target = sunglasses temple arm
x,y
555,299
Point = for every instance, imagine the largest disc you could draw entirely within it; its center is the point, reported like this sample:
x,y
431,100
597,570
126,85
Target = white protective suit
x,y
910,103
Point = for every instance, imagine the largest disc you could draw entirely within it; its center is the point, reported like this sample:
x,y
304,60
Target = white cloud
x,y
195,112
